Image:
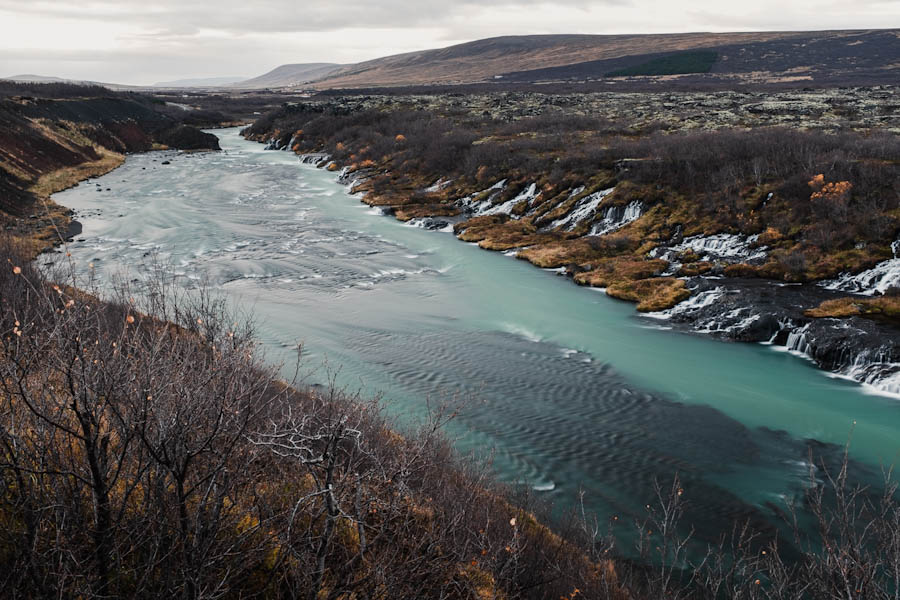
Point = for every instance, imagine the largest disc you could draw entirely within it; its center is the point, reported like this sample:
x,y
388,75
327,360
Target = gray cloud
x,y
273,16
141,41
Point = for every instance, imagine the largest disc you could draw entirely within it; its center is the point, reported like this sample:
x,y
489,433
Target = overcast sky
x,y
145,41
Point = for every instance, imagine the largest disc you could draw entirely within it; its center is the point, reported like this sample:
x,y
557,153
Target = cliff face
x,y
48,145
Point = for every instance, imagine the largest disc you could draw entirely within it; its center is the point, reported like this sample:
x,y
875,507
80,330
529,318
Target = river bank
x,y
568,388
762,245
51,144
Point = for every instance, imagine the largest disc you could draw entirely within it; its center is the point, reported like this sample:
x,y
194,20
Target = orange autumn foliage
x,y
837,191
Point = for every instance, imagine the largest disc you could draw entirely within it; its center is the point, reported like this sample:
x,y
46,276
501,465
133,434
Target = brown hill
x,y
490,58
289,75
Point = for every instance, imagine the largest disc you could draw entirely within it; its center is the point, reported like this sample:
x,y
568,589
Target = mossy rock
x,y
695,269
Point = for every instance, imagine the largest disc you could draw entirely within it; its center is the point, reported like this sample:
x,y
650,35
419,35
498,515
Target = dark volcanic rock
x,y
185,137
74,229
764,311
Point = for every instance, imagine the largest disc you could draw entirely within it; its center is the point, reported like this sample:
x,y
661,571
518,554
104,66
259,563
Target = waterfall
x,y
722,246
313,158
582,210
875,368
877,280
529,194
616,217
797,341
437,186
470,204
691,305
431,224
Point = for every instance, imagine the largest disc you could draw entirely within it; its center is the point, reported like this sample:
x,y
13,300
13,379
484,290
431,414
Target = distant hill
x,y
290,75
46,79
832,57
864,56
38,79
200,83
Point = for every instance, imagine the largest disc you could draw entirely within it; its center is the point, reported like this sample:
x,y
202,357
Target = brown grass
x,y
694,269
53,218
558,254
620,269
499,232
426,210
651,295
881,307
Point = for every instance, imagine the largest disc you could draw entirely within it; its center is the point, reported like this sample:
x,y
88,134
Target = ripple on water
x,y
585,425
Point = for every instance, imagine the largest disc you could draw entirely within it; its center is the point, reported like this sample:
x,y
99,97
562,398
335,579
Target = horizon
x,y
130,43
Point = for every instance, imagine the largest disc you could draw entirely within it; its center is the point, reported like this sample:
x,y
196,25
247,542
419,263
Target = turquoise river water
x,y
569,389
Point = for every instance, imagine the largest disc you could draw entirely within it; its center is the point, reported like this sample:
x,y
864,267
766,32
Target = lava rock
x,y
185,137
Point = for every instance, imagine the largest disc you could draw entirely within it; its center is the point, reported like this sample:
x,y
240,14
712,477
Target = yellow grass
x,y
61,179
651,295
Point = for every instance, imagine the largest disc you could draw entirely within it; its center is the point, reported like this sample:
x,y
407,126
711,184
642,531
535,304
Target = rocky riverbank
x,y
47,145
780,236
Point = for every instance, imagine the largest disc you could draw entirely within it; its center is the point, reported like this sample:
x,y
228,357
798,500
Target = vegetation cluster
x,y
146,450
820,202
681,63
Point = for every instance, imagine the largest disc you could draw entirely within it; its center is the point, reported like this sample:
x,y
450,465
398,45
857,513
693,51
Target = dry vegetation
x,y
821,202
885,308
146,450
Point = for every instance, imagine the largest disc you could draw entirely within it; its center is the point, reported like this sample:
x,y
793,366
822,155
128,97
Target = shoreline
x,y
783,339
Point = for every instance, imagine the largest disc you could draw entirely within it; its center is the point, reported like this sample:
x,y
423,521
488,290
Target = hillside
x,y
47,145
45,79
859,57
289,75
830,57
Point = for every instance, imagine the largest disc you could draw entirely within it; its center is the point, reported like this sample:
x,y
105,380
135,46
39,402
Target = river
x,y
569,389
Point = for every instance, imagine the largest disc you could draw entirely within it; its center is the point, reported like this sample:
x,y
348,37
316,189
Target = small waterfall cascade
x,y
437,186
723,246
313,158
471,203
876,368
693,304
616,217
797,341
530,194
877,280
584,208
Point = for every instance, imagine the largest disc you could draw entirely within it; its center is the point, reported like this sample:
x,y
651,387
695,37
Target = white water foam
x,y
692,304
469,203
437,186
877,280
729,246
530,194
614,218
521,331
582,210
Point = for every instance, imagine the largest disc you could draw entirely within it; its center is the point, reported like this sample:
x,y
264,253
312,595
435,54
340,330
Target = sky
x,y
145,41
